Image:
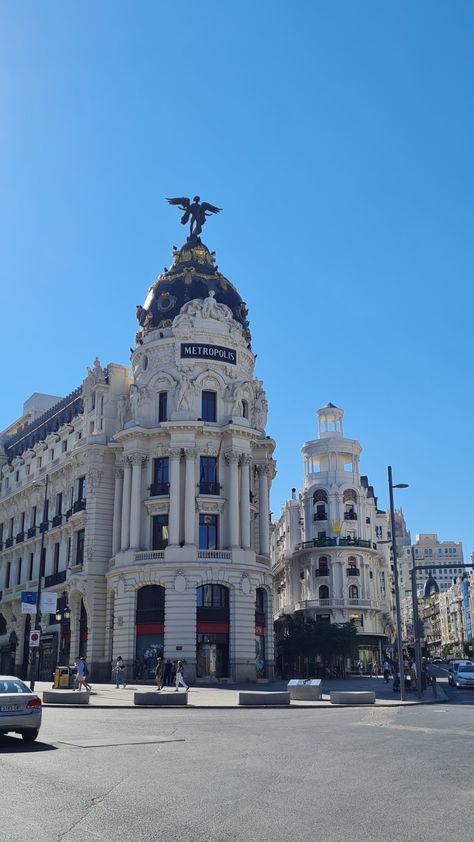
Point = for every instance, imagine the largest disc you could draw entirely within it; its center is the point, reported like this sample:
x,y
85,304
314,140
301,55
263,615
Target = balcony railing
x,y
43,527
224,555
68,514
355,542
55,579
322,571
350,515
352,571
150,555
31,532
20,537
57,520
79,506
8,543
334,542
159,489
320,516
209,488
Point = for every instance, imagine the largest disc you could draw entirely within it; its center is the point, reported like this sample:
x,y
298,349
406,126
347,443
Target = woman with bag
x,y
179,676
119,669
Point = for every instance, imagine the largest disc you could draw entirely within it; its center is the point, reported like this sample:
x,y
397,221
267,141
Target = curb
x,y
323,706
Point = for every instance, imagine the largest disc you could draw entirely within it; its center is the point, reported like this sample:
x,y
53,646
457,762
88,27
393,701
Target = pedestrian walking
x,y
360,667
386,671
159,670
80,675
179,676
370,668
118,667
167,673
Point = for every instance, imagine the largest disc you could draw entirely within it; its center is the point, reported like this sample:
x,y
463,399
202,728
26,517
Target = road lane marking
x,y
130,741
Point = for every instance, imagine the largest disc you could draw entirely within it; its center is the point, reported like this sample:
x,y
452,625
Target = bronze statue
x,y
196,211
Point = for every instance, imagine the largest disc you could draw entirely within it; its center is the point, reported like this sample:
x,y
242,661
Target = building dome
x,y
193,274
431,587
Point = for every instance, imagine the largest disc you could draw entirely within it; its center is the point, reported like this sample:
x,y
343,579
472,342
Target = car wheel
x,y
30,735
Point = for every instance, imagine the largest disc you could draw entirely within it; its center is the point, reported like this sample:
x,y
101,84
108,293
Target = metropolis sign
x,y
208,352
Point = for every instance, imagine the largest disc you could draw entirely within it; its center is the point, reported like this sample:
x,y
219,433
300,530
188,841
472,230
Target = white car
x,y
463,676
20,709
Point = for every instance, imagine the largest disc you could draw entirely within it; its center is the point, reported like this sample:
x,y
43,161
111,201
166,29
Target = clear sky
x,y
338,138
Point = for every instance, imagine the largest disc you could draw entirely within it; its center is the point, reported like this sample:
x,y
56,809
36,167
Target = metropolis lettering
x,y
209,352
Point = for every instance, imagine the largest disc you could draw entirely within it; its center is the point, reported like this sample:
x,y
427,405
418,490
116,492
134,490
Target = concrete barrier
x,y
305,690
352,697
158,699
248,698
66,697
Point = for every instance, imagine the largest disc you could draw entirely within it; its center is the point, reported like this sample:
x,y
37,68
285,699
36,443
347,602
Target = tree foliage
x,y
309,638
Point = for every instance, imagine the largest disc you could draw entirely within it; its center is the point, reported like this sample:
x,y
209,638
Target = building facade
x,y
155,529
329,552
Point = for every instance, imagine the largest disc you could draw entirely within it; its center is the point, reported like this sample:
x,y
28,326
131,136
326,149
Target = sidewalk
x,y
227,696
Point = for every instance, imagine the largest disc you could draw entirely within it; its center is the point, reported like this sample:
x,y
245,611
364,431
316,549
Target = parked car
x,y
452,668
20,709
436,660
463,676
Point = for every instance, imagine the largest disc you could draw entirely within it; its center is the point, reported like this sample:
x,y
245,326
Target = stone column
x,y
136,499
117,519
245,501
175,456
127,485
264,510
232,460
190,497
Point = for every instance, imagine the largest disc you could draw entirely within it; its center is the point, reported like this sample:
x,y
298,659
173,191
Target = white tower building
x,y
326,559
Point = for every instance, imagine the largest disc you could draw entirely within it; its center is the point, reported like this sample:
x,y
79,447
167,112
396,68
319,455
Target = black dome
x,y
431,587
193,275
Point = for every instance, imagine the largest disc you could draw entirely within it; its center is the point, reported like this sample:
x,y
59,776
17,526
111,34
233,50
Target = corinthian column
x,y
137,461
175,455
190,497
264,509
118,488
127,484
245,501
232,460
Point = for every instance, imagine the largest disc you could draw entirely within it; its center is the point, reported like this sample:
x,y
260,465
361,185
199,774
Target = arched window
x,y
352,561
150,628
353,592
349,496
323,566
350,501
320,496
212,596
323,592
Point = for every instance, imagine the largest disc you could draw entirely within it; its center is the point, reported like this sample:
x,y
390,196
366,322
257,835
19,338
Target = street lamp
x,y
34,649
391,486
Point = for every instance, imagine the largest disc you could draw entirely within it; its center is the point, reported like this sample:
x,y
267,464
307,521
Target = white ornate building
x,y
327,562
157,522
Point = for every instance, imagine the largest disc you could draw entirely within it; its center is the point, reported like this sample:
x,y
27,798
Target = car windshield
x,y
466,668
13,685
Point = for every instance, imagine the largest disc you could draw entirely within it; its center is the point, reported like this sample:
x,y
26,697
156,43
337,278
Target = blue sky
x,y
337,137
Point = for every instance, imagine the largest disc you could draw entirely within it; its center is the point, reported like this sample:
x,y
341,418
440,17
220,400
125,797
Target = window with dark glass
x,y
30,567
245,409
212,596
56,558
10,528
80,547
208,475
208,532
33,516
163,406
22,522
80,488
8,572
209,405
160,484
324,592
160,532
18,569
323,566
59,503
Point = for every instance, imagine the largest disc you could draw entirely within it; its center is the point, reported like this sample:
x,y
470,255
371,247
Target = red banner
x,y
150,628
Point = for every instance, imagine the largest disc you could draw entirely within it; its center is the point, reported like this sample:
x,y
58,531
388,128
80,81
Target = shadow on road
x,y
15,745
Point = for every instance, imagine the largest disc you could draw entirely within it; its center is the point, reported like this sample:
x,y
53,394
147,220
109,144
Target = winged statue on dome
x,y
196,211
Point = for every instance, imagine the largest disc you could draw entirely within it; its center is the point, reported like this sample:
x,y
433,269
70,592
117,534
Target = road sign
x,y
35,638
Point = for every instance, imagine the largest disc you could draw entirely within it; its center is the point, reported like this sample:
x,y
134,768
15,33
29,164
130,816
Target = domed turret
x,y
193,274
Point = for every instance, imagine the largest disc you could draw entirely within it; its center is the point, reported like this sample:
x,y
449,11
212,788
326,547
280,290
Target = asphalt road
x,y
217,776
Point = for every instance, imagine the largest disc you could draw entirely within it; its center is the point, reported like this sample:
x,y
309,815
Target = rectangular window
x,y
22,522
80,547
163,406
68,554
30,566
1,533
81,482
208,532
64,446
56,558
10,527
18,571
27,470
51,455
160,532
160,483
208,483
209,403
33,516
59,503
8,573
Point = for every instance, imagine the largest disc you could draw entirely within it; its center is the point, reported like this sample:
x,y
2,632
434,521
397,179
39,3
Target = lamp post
x,y
34,650
391,486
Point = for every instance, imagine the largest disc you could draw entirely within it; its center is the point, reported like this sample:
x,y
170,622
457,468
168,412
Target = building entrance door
x,y
211,660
